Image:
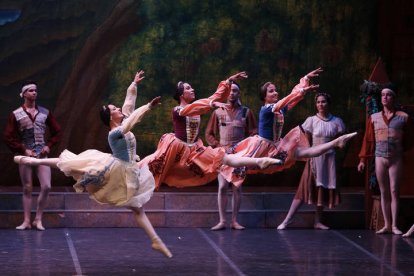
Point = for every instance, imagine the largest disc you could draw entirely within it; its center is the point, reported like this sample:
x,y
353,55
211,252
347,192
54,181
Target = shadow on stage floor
x,y
199,251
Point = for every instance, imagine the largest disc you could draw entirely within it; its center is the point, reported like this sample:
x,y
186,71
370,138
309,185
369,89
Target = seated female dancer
x,y
181,159
113,178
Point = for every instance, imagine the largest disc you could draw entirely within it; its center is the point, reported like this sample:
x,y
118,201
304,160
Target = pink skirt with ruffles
x,y
178,164
257,146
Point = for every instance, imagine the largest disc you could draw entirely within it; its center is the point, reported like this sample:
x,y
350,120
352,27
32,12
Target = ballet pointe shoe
x,y
236,226
284,224
219,226
320,226
157,244
396,231
342,140
38,225
24,226
409,233
22,159
265,162
384,230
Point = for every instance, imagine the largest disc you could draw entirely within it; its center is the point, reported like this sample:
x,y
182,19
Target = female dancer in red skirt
x,y
181,159
268,142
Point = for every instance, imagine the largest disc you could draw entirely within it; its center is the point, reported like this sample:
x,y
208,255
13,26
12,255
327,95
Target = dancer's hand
x,y
30,153
45,151
314,73
155,102
139,76
238,76
312,87
361,166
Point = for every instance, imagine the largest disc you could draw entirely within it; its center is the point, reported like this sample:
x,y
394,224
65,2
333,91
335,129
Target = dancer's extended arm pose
x,y
318,183
25,134
226,127
386,137
181,159
113,178
268,143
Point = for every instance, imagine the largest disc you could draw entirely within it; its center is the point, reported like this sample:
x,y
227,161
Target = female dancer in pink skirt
x,y
181,159
113,178
268,142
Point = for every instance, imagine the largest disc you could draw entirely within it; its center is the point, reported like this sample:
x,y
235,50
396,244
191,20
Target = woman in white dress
x,y
113,178
318,182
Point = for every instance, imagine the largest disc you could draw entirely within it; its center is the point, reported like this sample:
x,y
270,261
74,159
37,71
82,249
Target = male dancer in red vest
x,y
225,128
25,135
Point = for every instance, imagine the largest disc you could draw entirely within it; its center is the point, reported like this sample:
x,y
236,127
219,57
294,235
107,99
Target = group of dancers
x,y
181,159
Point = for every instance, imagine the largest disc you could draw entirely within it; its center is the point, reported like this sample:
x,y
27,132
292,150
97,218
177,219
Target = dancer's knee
x,y
27,189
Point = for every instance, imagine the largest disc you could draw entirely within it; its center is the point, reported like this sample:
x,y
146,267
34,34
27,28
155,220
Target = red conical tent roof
x,y
379,73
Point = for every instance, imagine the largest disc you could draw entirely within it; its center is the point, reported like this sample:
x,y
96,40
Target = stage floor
x,y
199,251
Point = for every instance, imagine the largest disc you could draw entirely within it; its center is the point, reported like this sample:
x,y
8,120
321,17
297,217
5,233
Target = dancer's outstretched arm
x,y
131,95
202,106
299,91
138,114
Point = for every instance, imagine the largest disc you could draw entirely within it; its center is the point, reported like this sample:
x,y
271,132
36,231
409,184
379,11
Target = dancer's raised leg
x,y
241,161
144,223
322,148
31,161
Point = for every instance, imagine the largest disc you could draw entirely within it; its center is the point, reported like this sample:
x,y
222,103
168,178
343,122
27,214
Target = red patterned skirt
x,y
178,164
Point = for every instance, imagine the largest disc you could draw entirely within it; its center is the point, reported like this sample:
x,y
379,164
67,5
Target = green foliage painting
x,y
203,42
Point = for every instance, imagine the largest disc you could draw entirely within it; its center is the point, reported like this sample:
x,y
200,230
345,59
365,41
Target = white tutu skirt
x,y
107,179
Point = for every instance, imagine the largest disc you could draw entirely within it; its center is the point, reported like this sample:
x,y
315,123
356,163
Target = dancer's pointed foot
x,y
157,244
26,160
342,140
24,226
236,226
320,226
409,233
284,224
265,162
38,225
384,230
219,226
396,231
